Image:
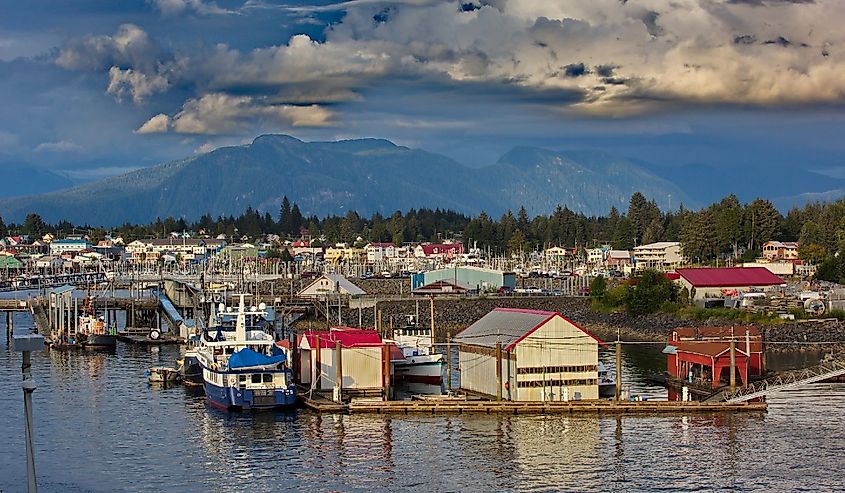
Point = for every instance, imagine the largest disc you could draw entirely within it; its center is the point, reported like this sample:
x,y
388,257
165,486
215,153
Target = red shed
x,y
747,337
706,362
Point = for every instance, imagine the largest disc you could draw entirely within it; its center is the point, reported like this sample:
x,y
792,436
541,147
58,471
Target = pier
x,y
462,406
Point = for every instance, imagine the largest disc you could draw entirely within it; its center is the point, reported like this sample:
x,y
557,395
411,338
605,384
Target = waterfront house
x,y
362,360
663,255
528,355
701,355
713,282
331,285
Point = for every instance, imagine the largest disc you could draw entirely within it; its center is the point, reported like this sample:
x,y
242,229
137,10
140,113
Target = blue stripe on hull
x,y
229,398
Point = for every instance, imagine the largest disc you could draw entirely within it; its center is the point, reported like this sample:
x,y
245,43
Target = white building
x,y
663,255
380,252
186,248
541,356
331,284
59,247
597,256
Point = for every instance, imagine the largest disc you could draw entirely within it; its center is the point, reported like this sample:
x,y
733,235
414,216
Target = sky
x,y
90,88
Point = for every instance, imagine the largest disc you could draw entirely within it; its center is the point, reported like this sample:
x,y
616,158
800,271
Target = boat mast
x,y
240,324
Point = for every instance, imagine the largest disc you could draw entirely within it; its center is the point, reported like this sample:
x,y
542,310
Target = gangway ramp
x,y
785,381
174,319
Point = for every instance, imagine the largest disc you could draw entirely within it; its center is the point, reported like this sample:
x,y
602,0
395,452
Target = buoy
x,y
155,334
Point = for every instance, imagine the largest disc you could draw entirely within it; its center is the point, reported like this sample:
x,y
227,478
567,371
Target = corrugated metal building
x,y
477,278
543,356
710,282
362,360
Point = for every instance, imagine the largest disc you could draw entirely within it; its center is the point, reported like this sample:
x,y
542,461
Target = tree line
x,y
722,230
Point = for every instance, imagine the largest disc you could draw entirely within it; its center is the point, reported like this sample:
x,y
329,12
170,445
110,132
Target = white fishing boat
x,y
422,367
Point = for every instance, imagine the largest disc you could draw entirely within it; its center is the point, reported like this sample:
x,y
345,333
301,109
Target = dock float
x,y
512,407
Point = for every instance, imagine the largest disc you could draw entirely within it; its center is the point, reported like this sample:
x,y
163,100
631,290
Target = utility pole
x,y
618,366
26,344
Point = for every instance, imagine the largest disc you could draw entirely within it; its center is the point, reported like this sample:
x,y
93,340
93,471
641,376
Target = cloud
x,y
219,113
60,146
157,124
598,57
175,7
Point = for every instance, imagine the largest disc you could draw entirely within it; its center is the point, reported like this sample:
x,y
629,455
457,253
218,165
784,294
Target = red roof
x,y
672,276
720,334
434,249
711,349
709,277
348,337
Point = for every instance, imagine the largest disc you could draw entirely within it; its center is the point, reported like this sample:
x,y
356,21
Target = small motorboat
x,y
163,375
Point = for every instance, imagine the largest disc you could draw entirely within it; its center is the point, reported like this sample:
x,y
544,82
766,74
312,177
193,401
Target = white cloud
x,y
219,113
603,57
157,124
174,7
60,146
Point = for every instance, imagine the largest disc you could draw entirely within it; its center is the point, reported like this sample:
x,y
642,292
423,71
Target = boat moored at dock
x,y
422,368
244,369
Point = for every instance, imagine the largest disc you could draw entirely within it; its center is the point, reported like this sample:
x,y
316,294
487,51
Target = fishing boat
x,y
190,370
92,331
422,368
244,369
607,382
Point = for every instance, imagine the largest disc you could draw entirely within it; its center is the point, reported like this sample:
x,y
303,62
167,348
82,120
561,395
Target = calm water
x,y
100,427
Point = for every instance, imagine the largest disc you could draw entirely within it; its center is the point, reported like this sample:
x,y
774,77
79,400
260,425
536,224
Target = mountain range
x,y
364,175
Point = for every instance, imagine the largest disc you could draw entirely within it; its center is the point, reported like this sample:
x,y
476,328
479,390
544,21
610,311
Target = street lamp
x,y
26,343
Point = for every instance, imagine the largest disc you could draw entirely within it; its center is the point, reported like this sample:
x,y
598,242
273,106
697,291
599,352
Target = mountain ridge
x,y
364,175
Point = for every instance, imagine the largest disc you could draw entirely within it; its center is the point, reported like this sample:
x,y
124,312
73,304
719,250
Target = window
x,y
256,378
268,378
537,370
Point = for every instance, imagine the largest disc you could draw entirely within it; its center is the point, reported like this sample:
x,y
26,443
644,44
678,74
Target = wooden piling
x,y
318,371
431,301
733,365
618,369
338,348
386,370
449,361
498,370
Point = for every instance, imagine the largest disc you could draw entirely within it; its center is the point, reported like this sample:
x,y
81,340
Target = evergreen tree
x,y
285,216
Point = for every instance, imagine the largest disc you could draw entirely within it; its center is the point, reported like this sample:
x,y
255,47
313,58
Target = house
x,y
747,338
343,252
49,262
187,249
780,250
331,284
663,255
438,250
10,262
598,256
619,260
444,287
519,355
380,252
363,360
477,278
557,253
711,282
60,247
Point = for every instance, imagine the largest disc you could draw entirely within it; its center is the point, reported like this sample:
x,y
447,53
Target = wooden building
x,y
707,363
362,360
748,339
528,355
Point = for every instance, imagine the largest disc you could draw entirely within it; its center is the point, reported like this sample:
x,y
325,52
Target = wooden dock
x,y
453,406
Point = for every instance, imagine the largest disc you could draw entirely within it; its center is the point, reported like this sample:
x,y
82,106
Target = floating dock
x,y
453,406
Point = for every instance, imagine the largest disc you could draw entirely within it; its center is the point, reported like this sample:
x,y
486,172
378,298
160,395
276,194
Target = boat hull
x,y
607,389
238,399
100,341
191,371
421,374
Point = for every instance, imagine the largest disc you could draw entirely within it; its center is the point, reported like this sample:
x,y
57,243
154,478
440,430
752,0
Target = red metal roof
x,y
730,277
348,337
719,334
435,249
711,349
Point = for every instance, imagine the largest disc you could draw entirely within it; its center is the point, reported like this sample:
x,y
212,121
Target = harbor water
x,y
100,427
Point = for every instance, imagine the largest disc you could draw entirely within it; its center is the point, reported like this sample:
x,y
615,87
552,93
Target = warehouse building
x,y
528,355
714,282
474,278
331,285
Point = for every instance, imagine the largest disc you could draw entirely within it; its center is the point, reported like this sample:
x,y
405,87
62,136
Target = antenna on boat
x,y
240,324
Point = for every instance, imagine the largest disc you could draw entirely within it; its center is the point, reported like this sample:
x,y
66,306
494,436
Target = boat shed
x,y
528,355
707,363
747,338
710,282
331,285
442,288
362,361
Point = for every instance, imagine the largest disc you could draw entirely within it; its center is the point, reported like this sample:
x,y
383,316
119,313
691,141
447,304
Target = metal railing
x,y
787,380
